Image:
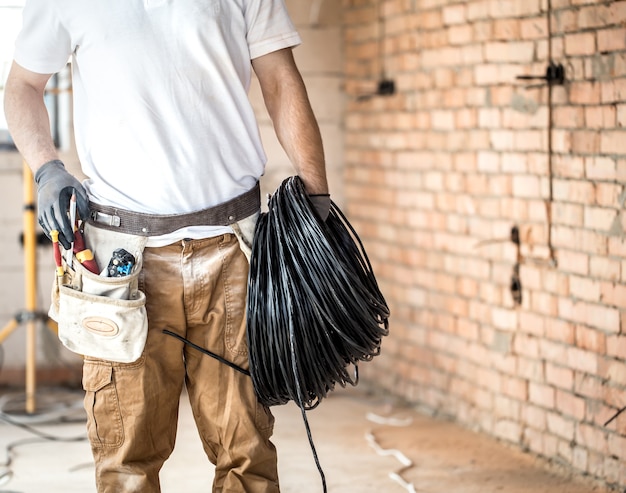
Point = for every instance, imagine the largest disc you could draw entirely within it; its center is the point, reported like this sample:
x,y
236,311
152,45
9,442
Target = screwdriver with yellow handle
x,y
54,234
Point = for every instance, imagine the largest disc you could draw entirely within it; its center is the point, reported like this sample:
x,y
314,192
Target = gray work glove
x,y
321,204
55,187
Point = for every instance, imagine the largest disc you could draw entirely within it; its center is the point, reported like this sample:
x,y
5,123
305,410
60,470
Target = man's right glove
x,y
321,204
55,187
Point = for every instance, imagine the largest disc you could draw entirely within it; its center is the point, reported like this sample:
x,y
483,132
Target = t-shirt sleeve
x,y
269,27
43,44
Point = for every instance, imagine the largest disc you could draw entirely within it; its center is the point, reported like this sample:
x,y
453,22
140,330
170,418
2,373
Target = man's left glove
x,y
321,204
55,187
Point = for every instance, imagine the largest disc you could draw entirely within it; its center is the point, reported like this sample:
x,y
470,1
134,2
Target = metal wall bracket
x,y
555,75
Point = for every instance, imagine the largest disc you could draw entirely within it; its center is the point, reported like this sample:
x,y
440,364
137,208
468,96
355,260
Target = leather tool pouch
x,y
102,317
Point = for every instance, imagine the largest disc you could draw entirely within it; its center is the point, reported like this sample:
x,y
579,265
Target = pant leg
x,y
133,408
235,428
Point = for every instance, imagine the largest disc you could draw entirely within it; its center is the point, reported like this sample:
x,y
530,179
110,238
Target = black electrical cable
x,y
314,309
312,298
314,306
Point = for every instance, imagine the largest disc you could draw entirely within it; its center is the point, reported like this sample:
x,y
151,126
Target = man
x,y
164,126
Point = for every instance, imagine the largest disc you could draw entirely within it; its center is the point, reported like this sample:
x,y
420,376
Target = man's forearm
x,y
298,131
28,121
294,122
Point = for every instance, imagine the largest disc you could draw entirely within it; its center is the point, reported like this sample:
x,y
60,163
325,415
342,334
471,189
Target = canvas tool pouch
x,y
102,317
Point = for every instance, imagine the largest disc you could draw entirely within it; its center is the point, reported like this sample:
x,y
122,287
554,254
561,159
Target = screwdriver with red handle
x,y
83,254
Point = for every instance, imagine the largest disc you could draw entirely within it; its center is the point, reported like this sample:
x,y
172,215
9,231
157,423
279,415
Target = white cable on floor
x,y
381,420
400,457
403,459
54,407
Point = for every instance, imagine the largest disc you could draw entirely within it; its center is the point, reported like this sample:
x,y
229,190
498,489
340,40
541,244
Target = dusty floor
x,y
361,442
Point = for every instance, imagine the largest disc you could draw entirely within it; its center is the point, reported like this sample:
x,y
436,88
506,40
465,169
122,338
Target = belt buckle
x,y
106,219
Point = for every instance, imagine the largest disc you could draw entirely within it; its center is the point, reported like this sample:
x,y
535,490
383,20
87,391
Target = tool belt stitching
x,y
141,224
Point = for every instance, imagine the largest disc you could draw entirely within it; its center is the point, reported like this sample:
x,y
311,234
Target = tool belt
x,y
140,224
102,317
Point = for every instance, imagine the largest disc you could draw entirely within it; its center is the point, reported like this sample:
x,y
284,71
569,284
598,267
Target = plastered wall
x,y
439,174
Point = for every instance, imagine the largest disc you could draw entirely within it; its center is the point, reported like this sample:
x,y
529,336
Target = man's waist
x,y
142,224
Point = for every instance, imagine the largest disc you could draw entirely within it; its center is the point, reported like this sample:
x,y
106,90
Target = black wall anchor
x,y
516,281
555,75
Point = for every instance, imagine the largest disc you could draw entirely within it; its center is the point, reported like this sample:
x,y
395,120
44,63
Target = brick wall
x,y
439,174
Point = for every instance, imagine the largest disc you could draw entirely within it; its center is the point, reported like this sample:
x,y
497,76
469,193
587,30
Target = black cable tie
x,y
207,352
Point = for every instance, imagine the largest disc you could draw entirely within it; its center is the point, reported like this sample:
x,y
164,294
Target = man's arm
x,y
29,124
27,116
294,122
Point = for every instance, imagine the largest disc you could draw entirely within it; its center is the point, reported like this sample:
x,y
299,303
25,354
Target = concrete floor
x,y
364,445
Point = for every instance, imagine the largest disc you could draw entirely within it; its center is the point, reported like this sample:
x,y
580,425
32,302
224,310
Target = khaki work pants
x,y
197,289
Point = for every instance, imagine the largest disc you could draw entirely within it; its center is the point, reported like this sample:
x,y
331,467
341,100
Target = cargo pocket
x,y
104,418
234,279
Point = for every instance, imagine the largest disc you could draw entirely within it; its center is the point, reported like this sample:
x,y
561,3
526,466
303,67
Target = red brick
x,y
611,39
591,437
567,214
609,195
617,445
508,430
560,331
620,115
613,142
613,91
600,117
454,14
584,288
569,116
560,377
614,295
614,370
617,247
586,141
590,339
578,191
560,426
593,16
533,416
513,8
599,218
565,21
510,51
506,29
604,318
617,12
584,93
534,28
580,44
580,457
541,395
605,268
581,360
570,166
544,303
616,346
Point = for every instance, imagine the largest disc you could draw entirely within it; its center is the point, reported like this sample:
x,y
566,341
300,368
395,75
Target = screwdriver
x,y
54,234
83,254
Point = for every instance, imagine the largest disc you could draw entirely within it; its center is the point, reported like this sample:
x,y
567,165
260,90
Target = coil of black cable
x,y
314,307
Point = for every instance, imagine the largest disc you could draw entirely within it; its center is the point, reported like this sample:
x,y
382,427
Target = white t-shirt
x,y
162,118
